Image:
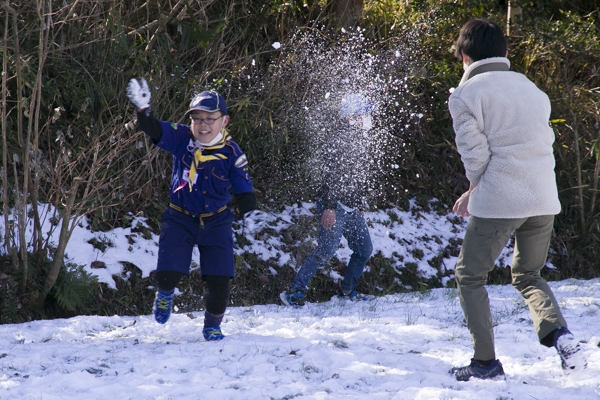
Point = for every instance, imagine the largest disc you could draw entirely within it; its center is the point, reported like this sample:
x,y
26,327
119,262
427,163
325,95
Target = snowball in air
x,y
276,45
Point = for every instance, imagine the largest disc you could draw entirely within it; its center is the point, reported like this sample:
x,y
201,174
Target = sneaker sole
x,y
497,377
214,339
355,300
287,303
284,300
577,363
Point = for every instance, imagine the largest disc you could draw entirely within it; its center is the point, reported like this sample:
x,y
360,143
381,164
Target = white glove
x,y
139,93
254,221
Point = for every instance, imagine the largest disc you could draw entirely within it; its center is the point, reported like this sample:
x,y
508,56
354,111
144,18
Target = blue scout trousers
x,y
484,240
354,228
180,233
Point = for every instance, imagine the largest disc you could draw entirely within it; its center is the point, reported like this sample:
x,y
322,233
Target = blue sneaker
x,y
163,303
212,333
352,296
478,370
292,299
571,354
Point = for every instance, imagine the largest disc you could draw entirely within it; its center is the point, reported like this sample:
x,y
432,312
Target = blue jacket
x,y
221,168
345,169
227,169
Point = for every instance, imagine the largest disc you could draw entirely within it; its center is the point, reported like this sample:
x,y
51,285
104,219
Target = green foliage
x,y
75,290
134,294
560,56
215,45
9,301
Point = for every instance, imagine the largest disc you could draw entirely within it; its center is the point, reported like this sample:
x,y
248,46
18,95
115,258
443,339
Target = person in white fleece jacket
x,y
503,135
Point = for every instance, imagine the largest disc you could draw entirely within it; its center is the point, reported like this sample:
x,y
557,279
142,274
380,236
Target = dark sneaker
x,y
570,352
163,303
292,299
352,296
212,333
478,370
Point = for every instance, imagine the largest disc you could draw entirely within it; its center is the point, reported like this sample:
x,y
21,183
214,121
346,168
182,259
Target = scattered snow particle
x,y
276,45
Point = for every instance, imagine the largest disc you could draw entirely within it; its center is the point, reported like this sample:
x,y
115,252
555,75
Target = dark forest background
x,y
69,137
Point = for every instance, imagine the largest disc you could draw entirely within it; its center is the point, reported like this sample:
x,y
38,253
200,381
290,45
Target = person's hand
x,y
139,93
328,219
461,205
254,221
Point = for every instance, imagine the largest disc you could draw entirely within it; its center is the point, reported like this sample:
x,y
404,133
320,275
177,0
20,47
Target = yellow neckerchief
x,y
200,158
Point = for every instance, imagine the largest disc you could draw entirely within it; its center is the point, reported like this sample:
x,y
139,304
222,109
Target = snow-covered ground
x,y
392,347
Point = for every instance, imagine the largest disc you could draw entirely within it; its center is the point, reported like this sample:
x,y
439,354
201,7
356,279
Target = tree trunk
x,y
66,230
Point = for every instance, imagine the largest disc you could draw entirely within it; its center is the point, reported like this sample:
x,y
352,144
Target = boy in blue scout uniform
x,y
207,163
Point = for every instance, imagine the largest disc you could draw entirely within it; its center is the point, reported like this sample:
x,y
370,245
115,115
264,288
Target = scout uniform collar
x,y
199,157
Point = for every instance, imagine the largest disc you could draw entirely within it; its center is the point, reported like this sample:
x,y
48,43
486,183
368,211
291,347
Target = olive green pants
x,y
484,240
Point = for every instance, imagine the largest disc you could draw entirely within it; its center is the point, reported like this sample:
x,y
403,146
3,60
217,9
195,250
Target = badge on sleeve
x,y
242,161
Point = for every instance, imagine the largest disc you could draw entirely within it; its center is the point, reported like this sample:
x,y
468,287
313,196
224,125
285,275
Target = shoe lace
x,y
213,331
163,304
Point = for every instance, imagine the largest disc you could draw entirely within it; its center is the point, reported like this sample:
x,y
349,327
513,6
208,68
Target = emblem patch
x,y
242,161
186,176
174,125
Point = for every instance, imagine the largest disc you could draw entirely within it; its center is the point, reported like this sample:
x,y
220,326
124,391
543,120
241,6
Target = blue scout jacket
x,y
202,177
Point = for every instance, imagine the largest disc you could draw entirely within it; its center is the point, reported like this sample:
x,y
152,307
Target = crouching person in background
x,y
341,202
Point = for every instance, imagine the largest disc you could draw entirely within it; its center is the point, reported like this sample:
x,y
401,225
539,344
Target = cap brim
x,y
201,109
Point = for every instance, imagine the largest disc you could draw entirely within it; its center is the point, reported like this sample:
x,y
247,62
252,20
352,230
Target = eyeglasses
x,y
207,121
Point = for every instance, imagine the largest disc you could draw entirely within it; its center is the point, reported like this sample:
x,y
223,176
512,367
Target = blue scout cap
x,y
354,104
208,101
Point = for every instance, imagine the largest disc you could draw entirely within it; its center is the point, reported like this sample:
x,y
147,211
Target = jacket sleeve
x,y
328,174
245,202
150,125
243,191
471,142
329,203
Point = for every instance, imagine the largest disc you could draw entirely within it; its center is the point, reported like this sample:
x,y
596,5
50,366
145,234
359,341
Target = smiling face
x,y
206,132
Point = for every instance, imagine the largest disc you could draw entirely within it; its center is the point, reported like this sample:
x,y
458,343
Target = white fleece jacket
x,y
503,135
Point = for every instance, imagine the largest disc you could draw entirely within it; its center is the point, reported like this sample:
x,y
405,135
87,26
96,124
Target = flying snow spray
x,y
313,82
